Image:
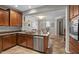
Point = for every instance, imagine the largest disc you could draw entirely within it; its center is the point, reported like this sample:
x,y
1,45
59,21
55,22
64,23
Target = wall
x,y
67,30
7,28
29,23
50,17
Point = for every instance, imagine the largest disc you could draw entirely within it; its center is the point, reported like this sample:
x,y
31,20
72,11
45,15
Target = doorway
x,y
60,27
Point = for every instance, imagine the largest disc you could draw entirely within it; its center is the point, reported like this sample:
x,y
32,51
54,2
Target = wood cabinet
x,y
4,17
73,45
0,44
9,41
15,18
73,11
10,18
76,10
21,40
29,41
25,40
46,44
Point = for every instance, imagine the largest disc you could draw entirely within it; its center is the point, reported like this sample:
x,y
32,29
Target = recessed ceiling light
x,y
16,5
29,7
32,11
41,17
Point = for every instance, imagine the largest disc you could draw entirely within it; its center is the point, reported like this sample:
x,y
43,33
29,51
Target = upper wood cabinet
x,y
15,18
73,11
10,18
76,10
4,17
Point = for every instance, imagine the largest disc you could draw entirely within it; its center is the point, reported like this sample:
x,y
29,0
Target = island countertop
x,y
25,32
35,33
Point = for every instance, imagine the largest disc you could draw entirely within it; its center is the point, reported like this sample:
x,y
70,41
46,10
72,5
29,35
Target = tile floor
x,y
58,47
19,50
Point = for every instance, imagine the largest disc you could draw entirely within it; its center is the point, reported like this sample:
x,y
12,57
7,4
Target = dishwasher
x,y
38,43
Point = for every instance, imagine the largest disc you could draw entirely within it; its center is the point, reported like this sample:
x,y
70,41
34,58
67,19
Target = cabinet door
x,y
21,40
71,11
0,44
29,41
73,46
15,18
4,17
9,41
76,10
1,17
6,41
13,39
45,44
19,19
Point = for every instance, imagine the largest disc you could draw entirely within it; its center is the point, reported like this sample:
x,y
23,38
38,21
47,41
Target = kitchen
x,y
34,28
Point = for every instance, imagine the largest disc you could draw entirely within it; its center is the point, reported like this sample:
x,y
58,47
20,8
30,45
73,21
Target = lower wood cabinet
x,y
29,41
25,40
8,41
73,45
0,44
21,40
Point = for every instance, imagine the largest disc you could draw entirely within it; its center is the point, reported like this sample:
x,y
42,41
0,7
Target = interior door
x,y
61,30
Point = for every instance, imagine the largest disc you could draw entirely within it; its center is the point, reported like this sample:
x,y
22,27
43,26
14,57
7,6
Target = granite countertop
x,y
6,33
35,33
24,32
74,36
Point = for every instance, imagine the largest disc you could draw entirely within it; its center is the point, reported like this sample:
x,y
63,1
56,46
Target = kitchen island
x,y
36,41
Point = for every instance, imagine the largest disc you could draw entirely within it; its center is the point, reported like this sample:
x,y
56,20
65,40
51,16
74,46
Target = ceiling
x,y
39,8
51,11
45,8
20,7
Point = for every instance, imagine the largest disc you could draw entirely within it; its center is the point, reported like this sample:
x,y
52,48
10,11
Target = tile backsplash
x,y
8,28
